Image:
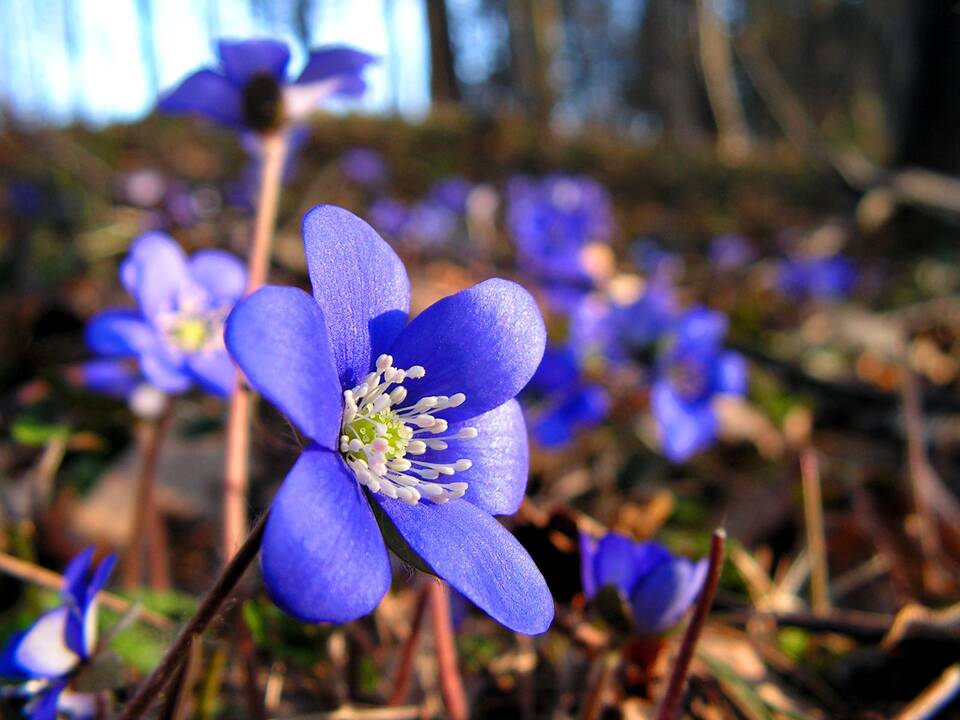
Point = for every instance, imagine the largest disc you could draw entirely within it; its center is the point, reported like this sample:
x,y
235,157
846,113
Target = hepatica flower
x,y
564,404
658,586
829,277
45,656
364,166
176,332
693,369
249,90
414,429
557,225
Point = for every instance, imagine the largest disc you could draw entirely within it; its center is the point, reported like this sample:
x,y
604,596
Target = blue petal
x,y
588,555
221,274
116,378
165,369
700,328
42,651
557,370
684,429
662,596
44,706
209,94
500,456
214,370
120,333
323,556
475,554
485,342
620,561
277,337
582,408
731,374
329,62
154,273
360,285
75,576
242,59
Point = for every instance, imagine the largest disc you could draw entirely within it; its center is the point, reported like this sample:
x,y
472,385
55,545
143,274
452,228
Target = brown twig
x,y
145,531
401,681
816,536
933,699
604,668
451,686
237,466
205,614
178,699
37,575
670,705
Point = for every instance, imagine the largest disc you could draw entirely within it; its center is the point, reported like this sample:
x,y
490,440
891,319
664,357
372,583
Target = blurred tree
x,y
443,77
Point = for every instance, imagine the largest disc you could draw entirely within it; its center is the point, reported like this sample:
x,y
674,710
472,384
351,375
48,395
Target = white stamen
x,y
379,443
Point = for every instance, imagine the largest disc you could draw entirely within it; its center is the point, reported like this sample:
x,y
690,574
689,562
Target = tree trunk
x,y
443,78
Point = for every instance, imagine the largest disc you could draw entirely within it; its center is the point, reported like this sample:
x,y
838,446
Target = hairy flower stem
x,y
451,686
401,682
670,705
146,525
237,465
604,668
209,607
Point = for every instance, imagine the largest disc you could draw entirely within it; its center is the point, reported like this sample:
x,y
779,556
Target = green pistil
x,y
365,430
191,334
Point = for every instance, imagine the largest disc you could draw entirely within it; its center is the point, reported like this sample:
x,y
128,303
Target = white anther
x,y
456,400
384,362
462,465
416,372
467,433
436,444
416,447
425,421
398,395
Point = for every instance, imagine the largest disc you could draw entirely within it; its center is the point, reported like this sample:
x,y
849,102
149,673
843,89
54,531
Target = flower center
x,y
262,102
381,437
690,378
193,326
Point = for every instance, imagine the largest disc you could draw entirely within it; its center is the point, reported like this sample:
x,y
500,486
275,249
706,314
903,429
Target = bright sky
x,y
108,77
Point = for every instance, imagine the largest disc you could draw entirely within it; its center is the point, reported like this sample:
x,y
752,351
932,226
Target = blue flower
x,y
829,277
429,225
389,216
451,193
564,403
364,166
59,642
554,223
250,91
659,586
176,334
693,368
731,251
413,425
655,262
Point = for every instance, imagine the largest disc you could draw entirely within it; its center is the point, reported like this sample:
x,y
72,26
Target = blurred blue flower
x,y
829,277
656,263
249,90
553,221
659,586
693,368
451,193
176,333
731,251
61,640
429,226
364,166
563,402
389,216
394,410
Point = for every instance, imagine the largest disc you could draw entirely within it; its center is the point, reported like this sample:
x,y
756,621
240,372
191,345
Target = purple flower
x,y
451,193
389,216
414,426
693,369
364,166
659,587
48,652
554,221
829,277
250,90
659,264
564,403
176,333
731,251
430,225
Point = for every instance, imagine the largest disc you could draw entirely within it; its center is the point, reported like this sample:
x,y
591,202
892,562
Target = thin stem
x,y
237,466
604,667
145,531
28,572
178,699
451,686
401,682
205,614
670,705
816,535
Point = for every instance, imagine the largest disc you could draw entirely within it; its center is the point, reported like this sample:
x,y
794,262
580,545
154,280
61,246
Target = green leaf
x,y
34,433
